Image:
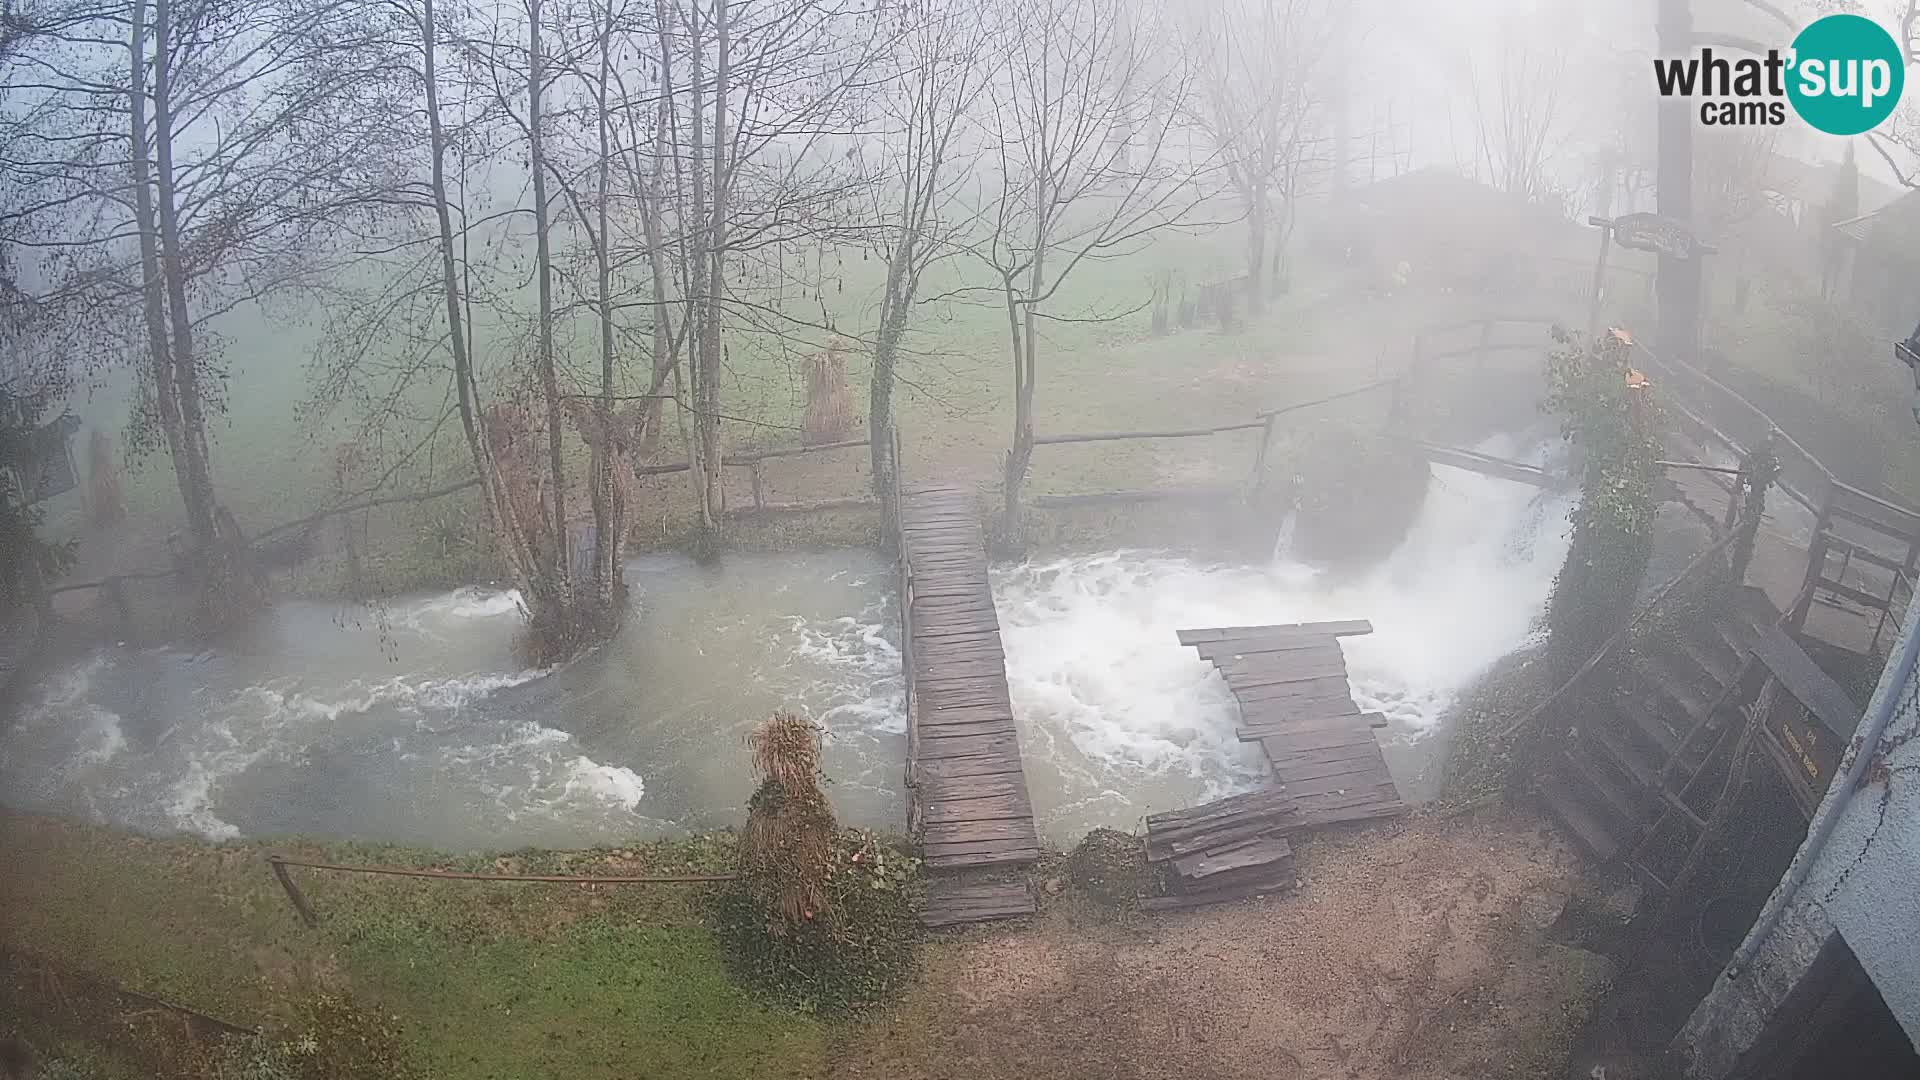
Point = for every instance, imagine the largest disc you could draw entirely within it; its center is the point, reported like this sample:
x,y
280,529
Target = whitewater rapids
x,y
1118,720
418,726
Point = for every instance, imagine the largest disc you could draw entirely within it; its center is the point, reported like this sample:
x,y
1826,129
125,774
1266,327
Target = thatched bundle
x,y
788,841
829,399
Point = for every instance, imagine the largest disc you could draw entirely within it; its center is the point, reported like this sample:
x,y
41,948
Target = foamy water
x,y
1119,720
318,723
430,732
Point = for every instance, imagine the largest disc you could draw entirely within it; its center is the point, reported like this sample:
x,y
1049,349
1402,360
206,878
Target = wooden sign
x,y
1807,718
1651,232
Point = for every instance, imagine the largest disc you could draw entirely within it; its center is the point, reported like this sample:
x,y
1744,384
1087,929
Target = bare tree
x,y
1519,106
1085,170
194,157
944,61
1257,103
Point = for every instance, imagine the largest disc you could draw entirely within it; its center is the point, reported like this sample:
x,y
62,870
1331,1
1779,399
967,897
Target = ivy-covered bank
x,y
454,980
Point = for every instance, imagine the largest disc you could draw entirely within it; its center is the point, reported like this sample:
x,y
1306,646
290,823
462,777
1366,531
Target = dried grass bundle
x,y
787,844
829,414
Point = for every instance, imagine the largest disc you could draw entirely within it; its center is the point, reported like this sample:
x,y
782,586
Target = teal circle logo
x,y
1846,74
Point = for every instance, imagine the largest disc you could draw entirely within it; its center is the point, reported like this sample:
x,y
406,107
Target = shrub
x,y
822,919
852,952
1111,867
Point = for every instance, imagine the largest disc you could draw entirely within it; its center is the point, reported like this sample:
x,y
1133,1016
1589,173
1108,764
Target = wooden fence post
x,y
759,496
294,894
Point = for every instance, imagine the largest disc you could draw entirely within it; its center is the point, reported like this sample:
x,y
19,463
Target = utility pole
x,y
1677,287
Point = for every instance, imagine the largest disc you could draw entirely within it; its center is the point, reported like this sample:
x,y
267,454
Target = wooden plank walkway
x,y
1291,682
967,795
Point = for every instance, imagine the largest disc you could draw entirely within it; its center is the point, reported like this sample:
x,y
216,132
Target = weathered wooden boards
x,y
966,793
955,900
1291,682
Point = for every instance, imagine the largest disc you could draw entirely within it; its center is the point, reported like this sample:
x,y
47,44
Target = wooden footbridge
x,y
966,791
967,798
1327,768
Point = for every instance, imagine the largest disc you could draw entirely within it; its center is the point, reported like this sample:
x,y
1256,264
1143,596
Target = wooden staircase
x,y
1624,785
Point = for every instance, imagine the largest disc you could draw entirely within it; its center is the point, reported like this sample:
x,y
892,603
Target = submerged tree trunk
x,y
557,570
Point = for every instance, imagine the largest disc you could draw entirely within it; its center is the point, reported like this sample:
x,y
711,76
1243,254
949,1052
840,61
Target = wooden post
x,y
1816,561
759,497
1599,276
299,900
1260,454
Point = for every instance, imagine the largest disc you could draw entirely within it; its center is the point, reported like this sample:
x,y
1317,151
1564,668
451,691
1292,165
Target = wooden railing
x,y
1266,422
1876,540
753,461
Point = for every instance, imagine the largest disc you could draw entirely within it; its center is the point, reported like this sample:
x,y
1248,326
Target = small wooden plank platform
x,y
967,798
1291,682
954,901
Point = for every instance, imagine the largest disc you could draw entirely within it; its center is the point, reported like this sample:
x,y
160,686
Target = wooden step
x,y
1587,828
1632,761
1625,810
1637,716
952,901
1712,656
1677,693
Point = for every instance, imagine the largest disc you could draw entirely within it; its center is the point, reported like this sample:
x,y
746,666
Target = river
x,y
415,725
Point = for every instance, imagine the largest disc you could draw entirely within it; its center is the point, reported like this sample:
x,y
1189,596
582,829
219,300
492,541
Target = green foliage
x,y
850,956
1614,426
27,562
1111,867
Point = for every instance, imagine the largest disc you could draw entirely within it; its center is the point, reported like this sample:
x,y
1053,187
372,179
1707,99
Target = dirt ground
x,y
1412,950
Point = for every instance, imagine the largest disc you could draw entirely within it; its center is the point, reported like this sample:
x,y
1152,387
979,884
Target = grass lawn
x,y
487,981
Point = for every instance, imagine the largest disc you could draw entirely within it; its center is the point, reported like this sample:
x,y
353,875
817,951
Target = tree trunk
x,y
227,589
1256,248
886,354
716,272
609,510
703,454
166,394
558,571
520,558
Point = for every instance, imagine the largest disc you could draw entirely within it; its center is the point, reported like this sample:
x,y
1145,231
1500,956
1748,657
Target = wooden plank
x,y
970,746
1281,881
1809,685
1331,687
1278,674
972,787
1329,755
954,811
995,860
1341,628
1281,747
1298,779
929,770
960,832
1160,848
1262,800
1238,856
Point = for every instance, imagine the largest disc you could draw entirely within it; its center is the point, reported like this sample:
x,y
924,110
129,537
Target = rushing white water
x,y
318,723
1119,720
